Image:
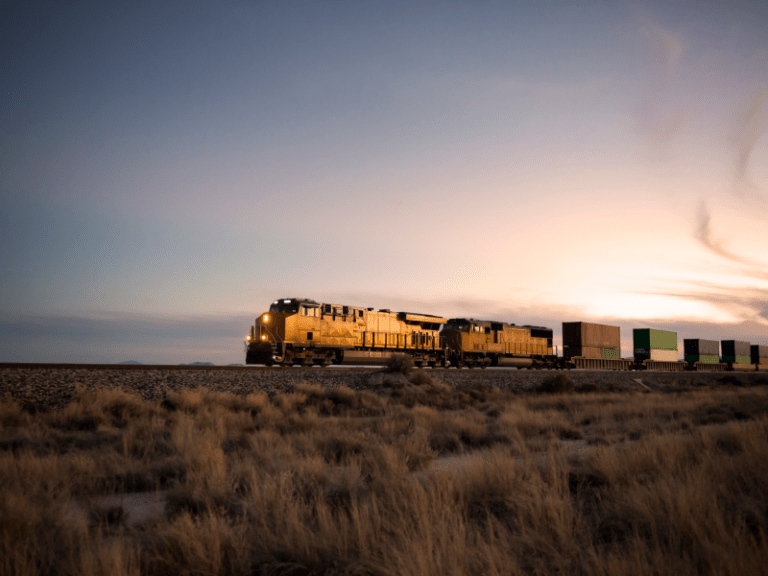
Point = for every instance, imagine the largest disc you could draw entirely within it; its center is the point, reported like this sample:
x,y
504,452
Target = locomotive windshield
x,y
284,306
460,325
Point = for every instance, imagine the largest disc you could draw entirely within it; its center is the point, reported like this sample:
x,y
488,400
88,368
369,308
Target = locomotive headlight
x,y
263,337
248,337
266,318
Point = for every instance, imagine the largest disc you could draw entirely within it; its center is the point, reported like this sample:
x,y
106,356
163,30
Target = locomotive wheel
x,y
287,360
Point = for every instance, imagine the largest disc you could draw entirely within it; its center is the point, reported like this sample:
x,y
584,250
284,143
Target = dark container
x,y
697,347
759,354
734,348
647,339
587,334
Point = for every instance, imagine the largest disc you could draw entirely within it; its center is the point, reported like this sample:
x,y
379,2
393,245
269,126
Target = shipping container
x,y
709,359
663,355
582,351
738,359
758,353
647,339
701,347
590,352
735,348
744,367
587,334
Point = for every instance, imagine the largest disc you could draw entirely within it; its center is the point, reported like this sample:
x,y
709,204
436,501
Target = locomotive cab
x,y
265,343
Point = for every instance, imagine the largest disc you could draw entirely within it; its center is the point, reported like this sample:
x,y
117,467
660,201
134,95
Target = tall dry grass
x,y
339,482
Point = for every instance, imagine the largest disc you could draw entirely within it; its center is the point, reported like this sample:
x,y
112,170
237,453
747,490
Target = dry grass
x,y
338,482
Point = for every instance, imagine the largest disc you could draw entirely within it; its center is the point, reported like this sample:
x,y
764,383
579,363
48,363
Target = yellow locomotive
x,y
469,342
301,331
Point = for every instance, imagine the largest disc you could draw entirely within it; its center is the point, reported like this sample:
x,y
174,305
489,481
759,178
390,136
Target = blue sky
x,y
168,169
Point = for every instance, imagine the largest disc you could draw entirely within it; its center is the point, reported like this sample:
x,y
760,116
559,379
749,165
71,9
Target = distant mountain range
x,y
131,362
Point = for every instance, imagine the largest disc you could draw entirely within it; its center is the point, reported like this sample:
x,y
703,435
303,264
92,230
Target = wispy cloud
x,y
748,305
657,117
703,234
751,126
669,47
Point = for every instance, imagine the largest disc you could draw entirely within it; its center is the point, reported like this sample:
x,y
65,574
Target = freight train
x,y
300,331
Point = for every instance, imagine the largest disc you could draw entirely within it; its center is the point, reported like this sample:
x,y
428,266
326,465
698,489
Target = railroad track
x,y
68,366
277,369
242,367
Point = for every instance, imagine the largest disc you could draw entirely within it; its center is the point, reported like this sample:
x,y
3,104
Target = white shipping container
x,y
664,355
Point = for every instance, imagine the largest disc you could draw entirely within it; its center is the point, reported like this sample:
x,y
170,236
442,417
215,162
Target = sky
x,y
168,169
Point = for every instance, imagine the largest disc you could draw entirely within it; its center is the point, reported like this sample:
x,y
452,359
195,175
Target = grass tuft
x,y
559,384
399,363
587,388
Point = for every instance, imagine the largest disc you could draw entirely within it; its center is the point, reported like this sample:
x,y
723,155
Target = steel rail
x,y
332,368
75,366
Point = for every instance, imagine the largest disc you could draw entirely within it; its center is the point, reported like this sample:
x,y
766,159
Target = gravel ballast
x,y
47,388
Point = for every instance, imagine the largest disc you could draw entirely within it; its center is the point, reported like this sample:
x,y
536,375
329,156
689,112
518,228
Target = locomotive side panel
x,y
521,342
308,333
382,330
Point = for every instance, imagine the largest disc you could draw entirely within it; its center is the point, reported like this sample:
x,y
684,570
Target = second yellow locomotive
x,y
469,342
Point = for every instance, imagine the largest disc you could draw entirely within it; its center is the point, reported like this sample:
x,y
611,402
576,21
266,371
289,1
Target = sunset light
x,y
169,169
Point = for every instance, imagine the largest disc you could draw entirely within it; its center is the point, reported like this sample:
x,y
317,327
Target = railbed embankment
x,y
52,387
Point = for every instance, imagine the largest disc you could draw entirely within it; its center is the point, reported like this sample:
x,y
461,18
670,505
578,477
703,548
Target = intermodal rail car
x,y
300,331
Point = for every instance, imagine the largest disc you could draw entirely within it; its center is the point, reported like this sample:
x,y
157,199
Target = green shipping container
x,y
738,359
612,353
650,339
702,358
